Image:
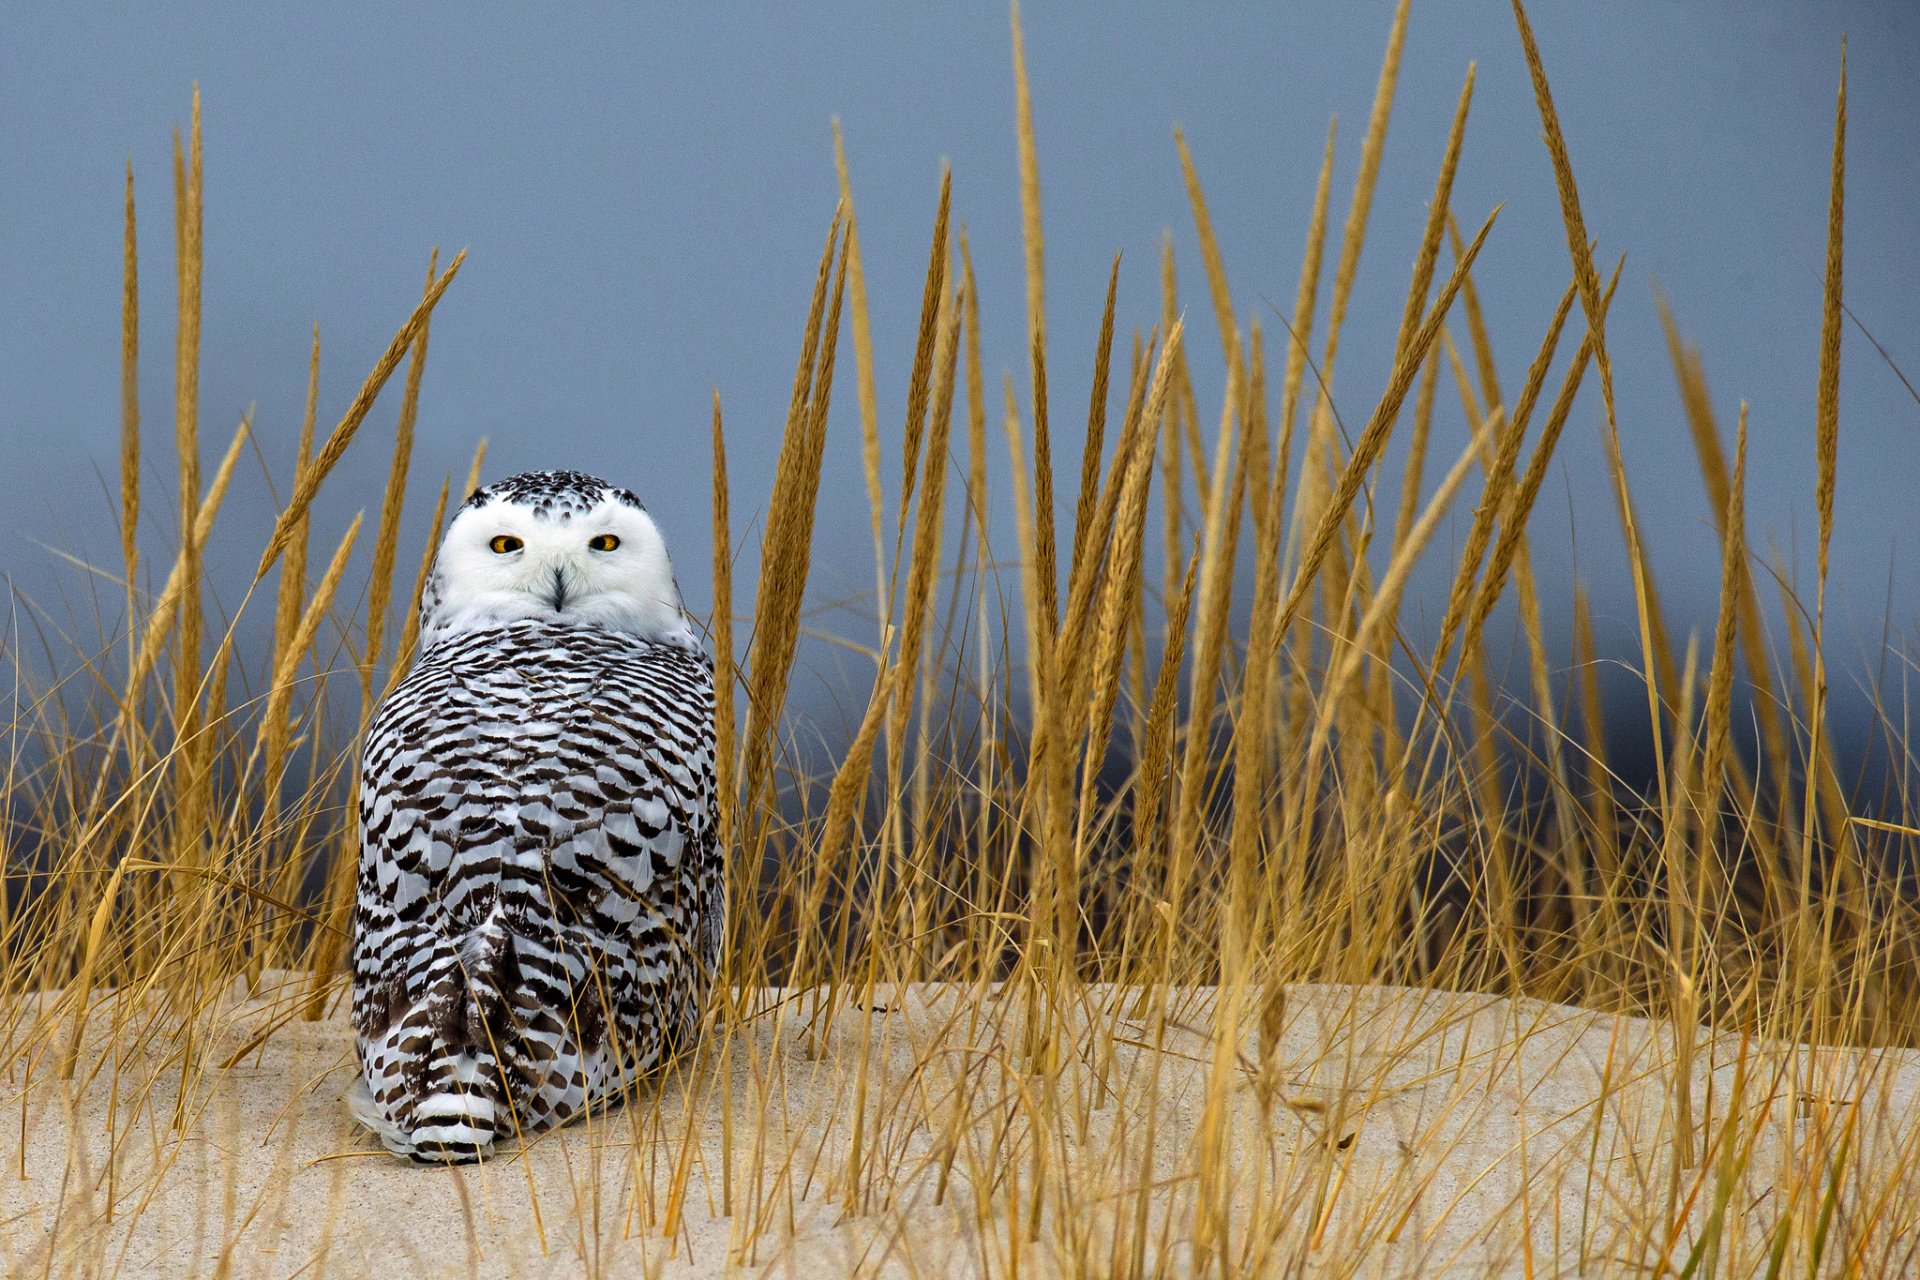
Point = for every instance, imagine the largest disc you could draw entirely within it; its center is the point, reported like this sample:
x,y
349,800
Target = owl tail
x,y
449,1102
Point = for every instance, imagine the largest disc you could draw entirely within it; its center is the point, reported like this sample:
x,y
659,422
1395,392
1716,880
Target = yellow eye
x,y
603,542
504,542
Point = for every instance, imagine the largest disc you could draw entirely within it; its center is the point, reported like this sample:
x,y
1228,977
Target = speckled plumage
x,y
541,898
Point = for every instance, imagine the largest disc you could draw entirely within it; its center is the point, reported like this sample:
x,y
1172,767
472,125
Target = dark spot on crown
x,y
549,493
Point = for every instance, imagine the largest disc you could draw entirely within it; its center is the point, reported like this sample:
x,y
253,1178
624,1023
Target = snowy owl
x,y
541,896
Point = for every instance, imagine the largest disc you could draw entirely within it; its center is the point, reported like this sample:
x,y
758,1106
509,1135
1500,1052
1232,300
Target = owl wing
x,y
648,884
541,895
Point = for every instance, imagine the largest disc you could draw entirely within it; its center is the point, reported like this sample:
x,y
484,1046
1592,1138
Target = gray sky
x,y
643,192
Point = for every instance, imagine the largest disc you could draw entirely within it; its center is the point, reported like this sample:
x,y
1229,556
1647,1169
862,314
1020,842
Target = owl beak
x,y
560,585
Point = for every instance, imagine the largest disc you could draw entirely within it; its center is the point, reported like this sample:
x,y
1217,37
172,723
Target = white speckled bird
x,y
541,897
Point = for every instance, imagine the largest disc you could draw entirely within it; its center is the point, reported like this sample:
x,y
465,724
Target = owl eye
x,y
505,542
603,542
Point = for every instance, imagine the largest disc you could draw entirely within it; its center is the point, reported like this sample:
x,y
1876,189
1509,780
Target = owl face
x,y
559,546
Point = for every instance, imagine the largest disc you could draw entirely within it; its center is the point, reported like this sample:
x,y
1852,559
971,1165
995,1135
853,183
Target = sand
x,y
1385,1132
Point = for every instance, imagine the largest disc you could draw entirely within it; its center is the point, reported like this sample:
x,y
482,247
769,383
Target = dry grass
x,y
1027,985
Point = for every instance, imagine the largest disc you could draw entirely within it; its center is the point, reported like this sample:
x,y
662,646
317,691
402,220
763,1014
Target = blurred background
x,y
643,193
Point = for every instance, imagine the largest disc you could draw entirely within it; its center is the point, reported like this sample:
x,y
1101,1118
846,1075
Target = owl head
x,y
560,546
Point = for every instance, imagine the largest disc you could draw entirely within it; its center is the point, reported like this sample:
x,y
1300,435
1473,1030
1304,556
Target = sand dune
x,y
1385,1132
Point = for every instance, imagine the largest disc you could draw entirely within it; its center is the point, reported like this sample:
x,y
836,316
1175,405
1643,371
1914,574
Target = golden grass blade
x,y
1691,375
984,756
310,478
1827,405
820,398
926,538
1463,384
328,946
387,540
1172,495
1217,555
1301,330
1542,359
926,765
1507,438
277,721
1137,437
1136,657
1711,456
1251,755
791,443
1046,551
473,469
843,806
167,606
1656,652
410,625
1210,255
721,632
204,691
1439,216
1121,582
1578,241
89,958
1417,449
1586,664
1156,764
187,237
1367,448
191,772
1513,519
1733,557
222,477
131,697
1051,905
1029,187
1039,649
1035,241
1811,905
1477,328
786,545
976,398
1827,451
1371,636
1658,638
863,371
1422,280
1095,445
130,407
1683,916
1123,522
1511,553
1264,495
403,652
293,565
1323,447
1361,205
1136,431
920,387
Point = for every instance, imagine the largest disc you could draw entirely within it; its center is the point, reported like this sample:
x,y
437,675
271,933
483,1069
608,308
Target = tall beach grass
x,y
1073,793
